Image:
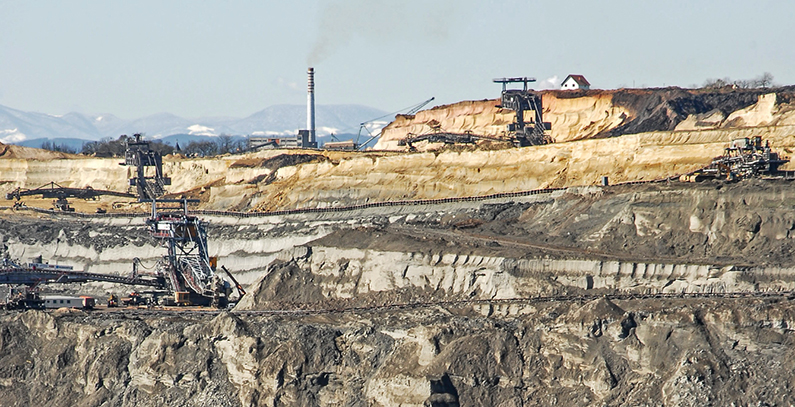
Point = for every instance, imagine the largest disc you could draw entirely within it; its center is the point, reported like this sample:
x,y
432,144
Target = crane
x,y
411,110
417,108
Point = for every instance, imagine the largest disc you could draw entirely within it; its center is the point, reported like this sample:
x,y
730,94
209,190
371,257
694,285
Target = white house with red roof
x,y
575,82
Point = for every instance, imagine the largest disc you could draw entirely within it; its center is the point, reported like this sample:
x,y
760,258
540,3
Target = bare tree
x,y
764,81
63,147
201,148
226,144
107,147
717,83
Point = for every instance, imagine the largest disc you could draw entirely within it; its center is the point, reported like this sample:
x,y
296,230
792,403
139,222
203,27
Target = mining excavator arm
x,y
240,291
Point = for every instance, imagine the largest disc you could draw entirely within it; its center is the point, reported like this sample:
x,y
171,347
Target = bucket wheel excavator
x,y
189,271
186,272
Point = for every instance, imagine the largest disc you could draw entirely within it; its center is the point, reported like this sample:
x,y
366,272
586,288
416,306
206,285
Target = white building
x,y
575,82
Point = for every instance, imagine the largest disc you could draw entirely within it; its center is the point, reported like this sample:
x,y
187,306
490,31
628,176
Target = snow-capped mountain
x,y
287,119
17,126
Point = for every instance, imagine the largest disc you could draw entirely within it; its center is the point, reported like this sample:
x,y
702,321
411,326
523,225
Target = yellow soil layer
x,y
582,117
237,182
571,118
634,157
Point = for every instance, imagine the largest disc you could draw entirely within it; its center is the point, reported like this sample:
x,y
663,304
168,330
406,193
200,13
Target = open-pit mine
x,y
614,247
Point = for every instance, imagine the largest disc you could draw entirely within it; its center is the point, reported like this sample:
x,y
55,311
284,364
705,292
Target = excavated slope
x,y
338,179
635,157
577,115
667,238
690,128
671,238
654,238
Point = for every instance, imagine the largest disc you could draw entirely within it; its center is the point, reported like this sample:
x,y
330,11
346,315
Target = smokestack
x,y
310,104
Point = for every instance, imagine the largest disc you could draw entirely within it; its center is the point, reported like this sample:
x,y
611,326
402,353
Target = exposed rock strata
x,y
672,352
620,237
597,353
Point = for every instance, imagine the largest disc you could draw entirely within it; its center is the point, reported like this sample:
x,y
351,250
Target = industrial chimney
x,y
310,106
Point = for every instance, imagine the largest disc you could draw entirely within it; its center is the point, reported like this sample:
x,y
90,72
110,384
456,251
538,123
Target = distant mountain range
x,y
74,129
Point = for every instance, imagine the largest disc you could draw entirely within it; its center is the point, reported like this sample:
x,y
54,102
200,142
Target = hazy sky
x,y
233,58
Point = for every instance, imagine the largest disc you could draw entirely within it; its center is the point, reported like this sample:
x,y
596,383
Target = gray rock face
x,y
682,352
673,352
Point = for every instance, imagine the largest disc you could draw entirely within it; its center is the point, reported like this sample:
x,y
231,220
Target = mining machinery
x,y
186,272
24,299
187,267
743,158
26,278
438,136
54,190
365,126
525,131
139,155
35,273
60,193
528,129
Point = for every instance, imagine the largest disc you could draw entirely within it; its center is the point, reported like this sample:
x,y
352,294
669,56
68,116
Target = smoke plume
x,y
343,20
550,83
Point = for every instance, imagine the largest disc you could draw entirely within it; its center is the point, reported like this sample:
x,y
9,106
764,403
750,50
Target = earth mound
x,y
10,151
